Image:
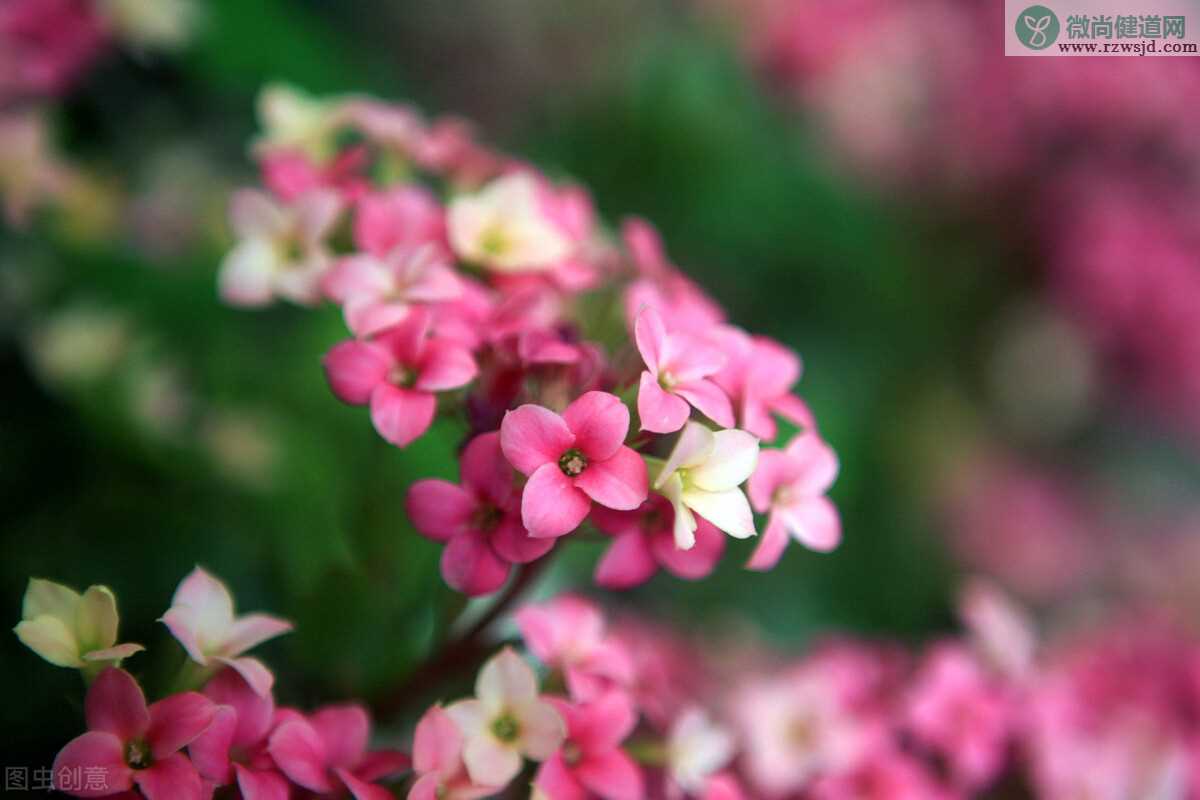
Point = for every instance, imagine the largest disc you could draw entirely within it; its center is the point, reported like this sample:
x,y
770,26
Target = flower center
x,y
137,754
667,380
400,376
505,728
802,733
486,518
572,462
494,241
571,754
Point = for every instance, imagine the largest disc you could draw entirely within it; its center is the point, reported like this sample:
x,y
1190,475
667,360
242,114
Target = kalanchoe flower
x,y
572,460
505,721
377,292
437,761
281,249
398,373
72,630
479,520
678,366
590,762
294,121
644,542
697,749
568,634
790,485
201,617
703,475
505,228
758,377
960,712
234,748
135,745
326,752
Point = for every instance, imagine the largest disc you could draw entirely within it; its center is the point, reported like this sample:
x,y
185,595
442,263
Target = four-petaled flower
x,y
506,720
505,227
69,629
437,761
398,373
678,366
201,617
590,762
790,485
572,460
703,475
644,541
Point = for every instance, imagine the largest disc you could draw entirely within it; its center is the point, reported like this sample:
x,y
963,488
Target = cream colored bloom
x,y
703,475
505,228
69,629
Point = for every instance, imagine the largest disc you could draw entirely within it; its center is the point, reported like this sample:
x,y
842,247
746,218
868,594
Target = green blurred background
x,y
146,428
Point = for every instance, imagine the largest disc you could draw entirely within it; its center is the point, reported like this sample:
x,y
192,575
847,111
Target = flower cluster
x,y
218,727
599,385
1095,156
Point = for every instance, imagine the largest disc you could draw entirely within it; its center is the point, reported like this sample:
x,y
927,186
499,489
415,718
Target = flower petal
x,y
254,711
815,523
650,334
514,544
96,619
489,762
694,445
251,630
775,470
531,436
696,562
47,597
247,276
542,729
731,463
709,399
659,410
439,510
354,369
437,743
505,680
209,751
401,415
815,461
620,482
115,704
50,638
175,721
728,510
361,790
170,778
557,782
382,765
771,546
344,729
356,276
551,505
94,749
484,468
254,672
599,421
445,365
299,752
261,785
471,566
612,775
627,563
603,723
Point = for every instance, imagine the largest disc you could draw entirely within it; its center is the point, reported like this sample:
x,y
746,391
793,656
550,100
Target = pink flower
x,y
281,249
132,744
956,709
758,377
590,762
505,721
407,217
235,746
568,634
397,373
201,618
437,760
479,520
645,541
678,367
328,750
572,460
376,292
790,484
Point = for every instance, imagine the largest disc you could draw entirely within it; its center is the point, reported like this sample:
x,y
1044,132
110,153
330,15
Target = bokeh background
x,y
990,267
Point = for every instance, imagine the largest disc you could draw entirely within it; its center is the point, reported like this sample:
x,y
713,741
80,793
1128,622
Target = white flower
x,y
293,120
703,475
505,228
696,748
505,721
69,629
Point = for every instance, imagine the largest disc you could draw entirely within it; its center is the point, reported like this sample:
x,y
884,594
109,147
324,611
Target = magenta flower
x,y
437,760
644,541
572,460
790,485
590,762
479,520
377,292
758,377
568,634
402,218
201,617
397,373
678,366
129,744
326,752
235,746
